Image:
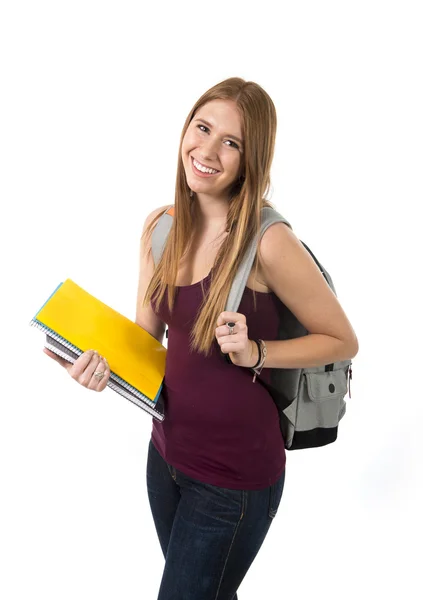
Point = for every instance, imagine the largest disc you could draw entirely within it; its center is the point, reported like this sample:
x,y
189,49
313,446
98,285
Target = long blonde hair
x,y
258,119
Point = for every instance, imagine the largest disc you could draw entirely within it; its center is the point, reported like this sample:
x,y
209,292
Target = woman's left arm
x,y
291,273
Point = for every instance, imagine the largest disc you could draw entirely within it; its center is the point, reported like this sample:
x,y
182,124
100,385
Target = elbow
x,y
353,348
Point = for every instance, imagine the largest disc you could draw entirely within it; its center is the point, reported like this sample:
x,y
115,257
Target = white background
x,y
93,99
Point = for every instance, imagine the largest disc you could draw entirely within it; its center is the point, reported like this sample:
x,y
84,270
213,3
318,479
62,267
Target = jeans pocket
x,y
275,495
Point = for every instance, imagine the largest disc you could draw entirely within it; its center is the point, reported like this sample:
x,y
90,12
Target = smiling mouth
x,y
204,174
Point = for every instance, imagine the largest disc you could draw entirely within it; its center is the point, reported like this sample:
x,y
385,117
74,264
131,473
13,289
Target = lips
x,y
192,159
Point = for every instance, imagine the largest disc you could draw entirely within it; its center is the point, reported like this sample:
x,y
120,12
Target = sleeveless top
x,y
219,428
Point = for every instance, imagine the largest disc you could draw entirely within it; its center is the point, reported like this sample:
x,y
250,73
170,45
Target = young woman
x,y
216,464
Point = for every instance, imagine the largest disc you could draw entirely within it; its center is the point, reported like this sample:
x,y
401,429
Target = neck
x,y
212,212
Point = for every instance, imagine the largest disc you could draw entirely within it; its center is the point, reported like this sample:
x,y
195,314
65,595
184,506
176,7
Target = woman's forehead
x,y
222,113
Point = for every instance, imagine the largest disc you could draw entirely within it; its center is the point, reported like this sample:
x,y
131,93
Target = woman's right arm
x,y
145,316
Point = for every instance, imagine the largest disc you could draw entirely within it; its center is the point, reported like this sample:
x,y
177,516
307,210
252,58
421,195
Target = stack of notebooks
x,y
75,321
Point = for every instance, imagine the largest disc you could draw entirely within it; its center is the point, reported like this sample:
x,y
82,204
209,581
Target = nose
x,y
209,147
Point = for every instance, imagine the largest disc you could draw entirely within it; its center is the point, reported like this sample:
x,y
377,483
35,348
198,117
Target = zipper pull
x,y
349,381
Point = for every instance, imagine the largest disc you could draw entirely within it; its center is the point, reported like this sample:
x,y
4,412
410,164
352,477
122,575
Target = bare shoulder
x,y
275,243
292,274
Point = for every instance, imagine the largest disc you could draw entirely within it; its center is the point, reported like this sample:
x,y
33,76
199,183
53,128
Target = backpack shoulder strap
x,y
268,217
160,233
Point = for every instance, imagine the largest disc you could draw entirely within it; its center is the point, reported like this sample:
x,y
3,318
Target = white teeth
x,y
203,169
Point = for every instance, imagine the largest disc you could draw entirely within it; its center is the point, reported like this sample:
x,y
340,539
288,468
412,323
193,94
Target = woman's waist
x,y
214,398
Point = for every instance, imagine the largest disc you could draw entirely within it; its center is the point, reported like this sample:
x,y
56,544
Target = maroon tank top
x,y
220,427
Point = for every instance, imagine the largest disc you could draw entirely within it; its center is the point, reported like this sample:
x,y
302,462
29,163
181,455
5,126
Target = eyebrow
x,y
227,135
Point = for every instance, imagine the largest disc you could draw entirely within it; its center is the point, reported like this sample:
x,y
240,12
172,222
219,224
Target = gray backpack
x,y
310,401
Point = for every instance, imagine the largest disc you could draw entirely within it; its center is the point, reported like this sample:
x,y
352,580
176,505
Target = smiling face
x,y
214,139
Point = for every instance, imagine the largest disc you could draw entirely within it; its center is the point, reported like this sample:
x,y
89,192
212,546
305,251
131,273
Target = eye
x,y
235,145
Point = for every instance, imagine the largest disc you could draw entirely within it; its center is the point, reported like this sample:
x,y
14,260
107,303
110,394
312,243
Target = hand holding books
x,y
86,370
74,320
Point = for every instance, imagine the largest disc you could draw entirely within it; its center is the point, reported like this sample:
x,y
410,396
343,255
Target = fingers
x,y
228,316
84,368
103,383
62,362
96,383
223,330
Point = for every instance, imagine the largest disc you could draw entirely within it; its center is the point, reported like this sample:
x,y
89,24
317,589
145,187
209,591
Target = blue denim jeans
x,y
209,535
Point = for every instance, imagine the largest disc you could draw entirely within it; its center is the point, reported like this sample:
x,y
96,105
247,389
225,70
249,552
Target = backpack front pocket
x,y
324,404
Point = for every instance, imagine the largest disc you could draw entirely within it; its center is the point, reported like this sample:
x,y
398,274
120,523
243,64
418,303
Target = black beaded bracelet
x,y
259,354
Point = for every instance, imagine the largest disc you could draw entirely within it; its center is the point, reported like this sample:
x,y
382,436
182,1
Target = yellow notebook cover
x,y
87,323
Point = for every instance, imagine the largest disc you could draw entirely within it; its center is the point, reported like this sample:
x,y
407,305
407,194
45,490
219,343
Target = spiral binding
x,y
115,382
